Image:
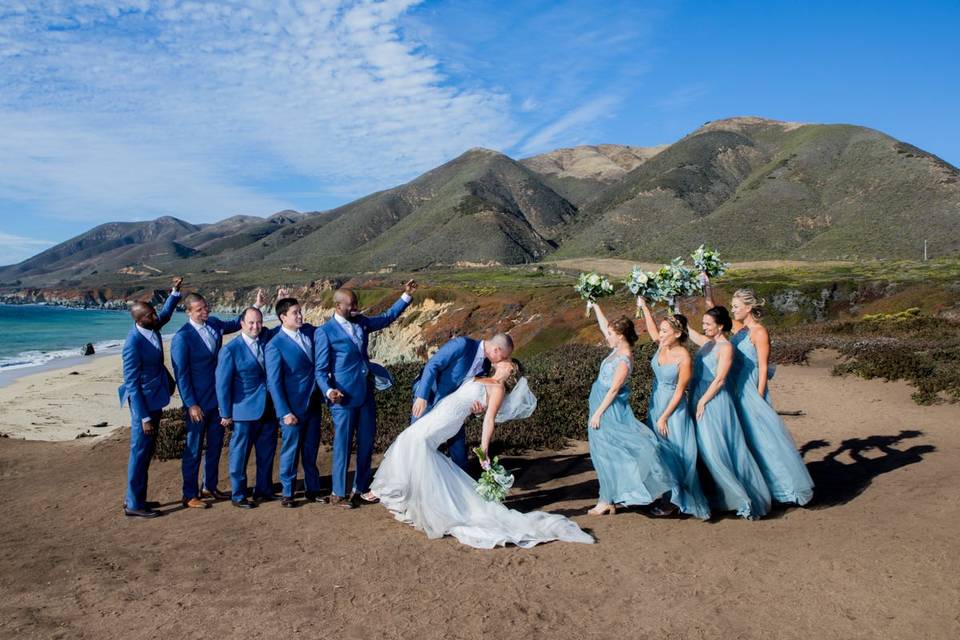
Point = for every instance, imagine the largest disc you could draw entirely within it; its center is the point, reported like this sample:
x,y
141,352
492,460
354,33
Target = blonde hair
x,y
749,298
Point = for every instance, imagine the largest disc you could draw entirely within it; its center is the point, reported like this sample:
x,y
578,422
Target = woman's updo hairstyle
x,y
514,377
624,326
678,322
749,298
722,317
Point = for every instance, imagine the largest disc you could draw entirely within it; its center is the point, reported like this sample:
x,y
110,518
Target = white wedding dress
x,y
424,488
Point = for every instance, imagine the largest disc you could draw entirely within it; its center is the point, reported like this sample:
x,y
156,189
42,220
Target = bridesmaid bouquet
x,y
674,281
592,287
494,482
708,261
643,284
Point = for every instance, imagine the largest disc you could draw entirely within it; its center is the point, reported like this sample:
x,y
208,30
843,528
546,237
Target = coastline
x,y
62,399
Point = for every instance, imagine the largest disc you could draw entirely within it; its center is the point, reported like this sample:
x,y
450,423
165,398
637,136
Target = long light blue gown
x,y
739,484
769,440
680,445
625,453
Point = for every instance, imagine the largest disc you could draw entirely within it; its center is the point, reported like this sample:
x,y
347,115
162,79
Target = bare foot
x,y
602,509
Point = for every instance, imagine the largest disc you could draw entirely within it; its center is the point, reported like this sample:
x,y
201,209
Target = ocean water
x,y
33,335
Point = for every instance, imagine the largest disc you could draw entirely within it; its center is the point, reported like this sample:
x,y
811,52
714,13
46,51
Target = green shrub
x,y
560,378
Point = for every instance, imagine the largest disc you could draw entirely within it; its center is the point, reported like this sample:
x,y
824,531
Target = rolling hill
x,y
754,188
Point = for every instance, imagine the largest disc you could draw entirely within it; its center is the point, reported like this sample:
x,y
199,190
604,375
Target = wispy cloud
x,y
14,248
682,97
137,108
548,137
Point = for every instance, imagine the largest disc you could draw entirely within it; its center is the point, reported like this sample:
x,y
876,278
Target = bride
x,y
426,489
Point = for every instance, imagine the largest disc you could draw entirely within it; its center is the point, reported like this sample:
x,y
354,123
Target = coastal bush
x,y
560,377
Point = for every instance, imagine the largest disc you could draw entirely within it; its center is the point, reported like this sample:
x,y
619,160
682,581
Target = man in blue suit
x,y
245,404
290,380
457,360
344,375
193,351
147,386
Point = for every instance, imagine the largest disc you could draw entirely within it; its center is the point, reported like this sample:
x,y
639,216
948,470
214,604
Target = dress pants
x,y
204,438
141,450
254,435
300,443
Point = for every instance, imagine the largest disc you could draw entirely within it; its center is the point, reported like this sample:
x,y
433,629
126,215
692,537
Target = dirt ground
x,y
876,556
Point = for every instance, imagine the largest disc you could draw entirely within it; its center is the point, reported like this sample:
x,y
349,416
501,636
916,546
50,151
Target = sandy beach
x,y
876,556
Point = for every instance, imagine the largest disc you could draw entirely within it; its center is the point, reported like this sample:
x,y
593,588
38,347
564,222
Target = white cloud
x,y
682,97
135,108
581,117
14,248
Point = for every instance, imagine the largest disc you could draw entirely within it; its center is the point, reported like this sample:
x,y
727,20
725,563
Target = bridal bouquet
x,y
675,280
643,284
708,261
592,287
494,482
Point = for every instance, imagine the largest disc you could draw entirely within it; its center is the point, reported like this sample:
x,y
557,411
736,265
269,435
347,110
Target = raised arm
x,y
707,290
698,338
619,377
385,319
601,318
170,305
649,321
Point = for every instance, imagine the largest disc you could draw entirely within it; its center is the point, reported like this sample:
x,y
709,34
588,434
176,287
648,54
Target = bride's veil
x,y
519,403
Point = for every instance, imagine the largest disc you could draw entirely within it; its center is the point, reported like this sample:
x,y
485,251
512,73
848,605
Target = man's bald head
x,y
345,302
144,315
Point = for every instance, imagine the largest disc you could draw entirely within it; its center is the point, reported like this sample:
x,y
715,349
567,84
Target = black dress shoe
x,y
288,502
314,497
141,513
215,494
259,499
244,504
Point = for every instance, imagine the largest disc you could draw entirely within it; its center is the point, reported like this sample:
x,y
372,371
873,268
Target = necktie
x,y
208,338
304,343
155,340
357,335
258,352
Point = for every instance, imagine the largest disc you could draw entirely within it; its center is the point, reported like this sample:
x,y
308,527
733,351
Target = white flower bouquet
x,y
643,284
494,482
674,281
708,261
592,287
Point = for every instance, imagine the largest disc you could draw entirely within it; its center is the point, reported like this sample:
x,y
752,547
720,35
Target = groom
x,y
345,375
454,362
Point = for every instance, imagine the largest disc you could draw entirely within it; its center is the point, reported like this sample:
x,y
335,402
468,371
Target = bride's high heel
x,y
602,510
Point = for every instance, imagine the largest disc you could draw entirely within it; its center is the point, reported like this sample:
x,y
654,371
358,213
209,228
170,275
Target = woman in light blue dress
x,y
739,484
770,441
669,413
624,451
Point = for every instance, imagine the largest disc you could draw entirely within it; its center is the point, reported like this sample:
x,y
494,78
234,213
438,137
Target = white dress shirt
x,y
206,334
302,341
254,345
477,367
150,335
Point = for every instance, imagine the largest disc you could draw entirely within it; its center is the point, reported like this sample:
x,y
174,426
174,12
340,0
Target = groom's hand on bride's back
x,y
478,408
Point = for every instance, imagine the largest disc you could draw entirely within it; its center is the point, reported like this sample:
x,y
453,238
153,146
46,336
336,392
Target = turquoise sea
x,y
34,334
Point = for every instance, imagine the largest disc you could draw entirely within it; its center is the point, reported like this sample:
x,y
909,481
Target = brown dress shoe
x,y
195,503
216,494
337,501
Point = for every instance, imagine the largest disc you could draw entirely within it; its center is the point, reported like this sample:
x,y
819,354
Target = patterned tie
x,y
258,352
305,344
155,340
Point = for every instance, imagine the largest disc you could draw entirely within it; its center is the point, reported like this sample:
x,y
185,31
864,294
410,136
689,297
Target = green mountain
x,y
753,188
761,189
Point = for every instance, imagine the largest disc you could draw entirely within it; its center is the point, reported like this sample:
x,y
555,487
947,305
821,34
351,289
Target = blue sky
x,y
132,109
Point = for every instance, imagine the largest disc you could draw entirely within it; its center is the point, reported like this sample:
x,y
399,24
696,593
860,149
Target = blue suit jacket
x,y
194,365
241,381
445,371
341,364
290,377
147,384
